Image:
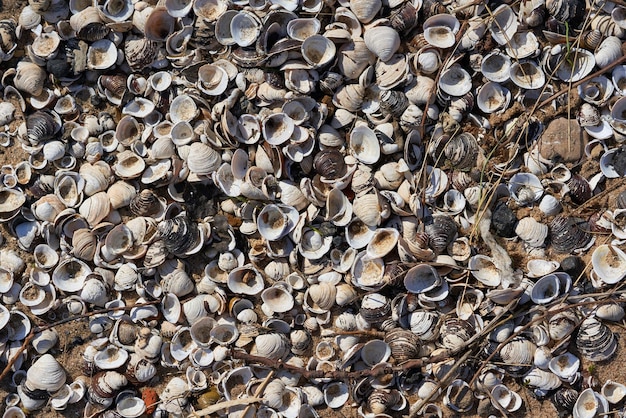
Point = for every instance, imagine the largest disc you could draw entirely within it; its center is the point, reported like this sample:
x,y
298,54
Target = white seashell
x,y
336,394
45,257
365,10
364,144
523,45
421,278
504,26
183,108
110,358
313,245
458,396
614,392
506,398
495,66
245,280
565,365
455,81
609,263
610,312
484,270
245,28
367,273
102,54
203,159
493,98
590,404
318,50
527,75
546,289
382,41
597,90
212,79
131,407
582,64
70,275
302,28
525,188
46,374
440,30
272,345
610,50
29,78
275,221
45,340
278,298
550,205
540,268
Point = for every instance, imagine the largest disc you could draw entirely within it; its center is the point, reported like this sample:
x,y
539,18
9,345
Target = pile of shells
x,y
345,187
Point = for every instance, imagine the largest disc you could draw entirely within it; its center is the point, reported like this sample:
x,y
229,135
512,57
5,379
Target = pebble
x,y
558,144
503,221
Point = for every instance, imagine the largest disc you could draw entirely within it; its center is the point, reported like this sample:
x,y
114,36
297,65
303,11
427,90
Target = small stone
x,y
573,266
560,144
503,221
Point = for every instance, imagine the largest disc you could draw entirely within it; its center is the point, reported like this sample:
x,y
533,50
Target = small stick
x,y
225,405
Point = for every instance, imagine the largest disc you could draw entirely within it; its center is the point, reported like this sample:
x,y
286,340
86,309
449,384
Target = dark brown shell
x,y
8,39
116,84
329,164
404,18
596,224
591,39
579,189
568,234
462,151
565,399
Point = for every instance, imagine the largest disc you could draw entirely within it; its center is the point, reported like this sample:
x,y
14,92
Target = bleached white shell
x,y
609,263
102,54
455,81
46,374
527,75
614,392
440,30
364,144
564,365
493,98
70,275
495,66
382,41
336,394
318,50
504,26
110,358
278,298
245,280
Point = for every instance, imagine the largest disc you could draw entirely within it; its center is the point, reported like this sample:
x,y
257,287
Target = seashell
x,y
318,51
595,341
539,267
579,189
527,75
382,41
272,345
579,68
610,312
609,50
596,91
533,233
367,209
568,234
458,396
608,263
565,398
30,78
565,365
455,333
541,379
374,308
614,392
495,66
455,81
441,231
70,275
336,394
140,52
421,279
45,374
365,11
42,125
589,404
504,25
45,257
102,54
440,30
110,358
506,398
11,201
462,150
525,188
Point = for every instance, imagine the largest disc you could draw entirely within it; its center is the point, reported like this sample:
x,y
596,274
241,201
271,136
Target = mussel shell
x,y
329,164
568,234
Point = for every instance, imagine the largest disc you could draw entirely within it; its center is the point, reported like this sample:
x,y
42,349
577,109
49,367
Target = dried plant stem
x,y
337,374
37,329
225,405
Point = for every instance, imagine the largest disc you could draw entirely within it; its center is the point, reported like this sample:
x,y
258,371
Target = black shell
x,y
503,220
179,234
441,231
565,398
579,189
8,39
329,164
595,341
41,126
93,32
568,234
570,11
